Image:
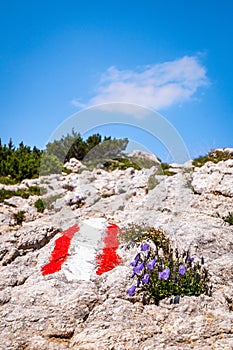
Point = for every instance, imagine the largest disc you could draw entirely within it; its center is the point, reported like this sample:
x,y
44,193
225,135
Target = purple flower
x,y
190,259
151,264
138,268
164,275
146,278
145,247
131,291
135,262
182,270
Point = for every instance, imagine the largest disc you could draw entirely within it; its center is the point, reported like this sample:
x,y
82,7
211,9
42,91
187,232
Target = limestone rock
x,y
214,178
143,154
52,312
74,165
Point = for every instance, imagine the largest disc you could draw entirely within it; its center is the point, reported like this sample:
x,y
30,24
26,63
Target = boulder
x,y
74,165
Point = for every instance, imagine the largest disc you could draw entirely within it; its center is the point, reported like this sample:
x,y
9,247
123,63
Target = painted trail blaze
x,y
108,259
81,263
60,251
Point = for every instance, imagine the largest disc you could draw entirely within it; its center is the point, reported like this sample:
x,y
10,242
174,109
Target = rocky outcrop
x,y
143,155
50,312
74,165
214,178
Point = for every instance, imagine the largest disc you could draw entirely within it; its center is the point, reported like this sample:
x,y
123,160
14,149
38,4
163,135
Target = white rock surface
x,y
143,154
74,165
216,178
59,312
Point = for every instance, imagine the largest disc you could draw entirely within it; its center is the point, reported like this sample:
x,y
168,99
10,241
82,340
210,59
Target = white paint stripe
x,y
83,249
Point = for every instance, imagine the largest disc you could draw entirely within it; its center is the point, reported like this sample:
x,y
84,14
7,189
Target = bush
x,y
46,203
31,191
164,170
19,163
213,156
120,163
6,180
39,204
229,218
68,187
19,217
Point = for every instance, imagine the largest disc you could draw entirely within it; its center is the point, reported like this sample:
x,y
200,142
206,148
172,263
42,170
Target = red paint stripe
x,y
109,259
60,251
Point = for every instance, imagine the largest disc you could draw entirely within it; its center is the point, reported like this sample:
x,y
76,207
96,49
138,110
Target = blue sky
x,y
59,57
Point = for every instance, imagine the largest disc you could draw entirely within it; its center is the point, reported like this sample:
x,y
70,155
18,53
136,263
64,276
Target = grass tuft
x,y
213,156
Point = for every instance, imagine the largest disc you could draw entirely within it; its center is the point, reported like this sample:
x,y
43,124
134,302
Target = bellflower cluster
x,y
142,266
161,272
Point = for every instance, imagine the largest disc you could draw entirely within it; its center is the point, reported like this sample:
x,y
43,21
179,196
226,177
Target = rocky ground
x,y
49,312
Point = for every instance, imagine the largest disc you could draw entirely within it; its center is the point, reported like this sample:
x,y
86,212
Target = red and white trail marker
x,y
84,249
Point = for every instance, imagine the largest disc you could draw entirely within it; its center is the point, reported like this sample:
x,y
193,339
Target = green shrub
x,y
110,164
6,194
133,233
19,163
19,217
68,187
212,156
67,171
31,191
120,163
39,204
229,218
46,203
6,180
164,170
107,195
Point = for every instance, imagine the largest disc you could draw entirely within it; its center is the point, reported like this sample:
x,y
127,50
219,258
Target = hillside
x,y
77,308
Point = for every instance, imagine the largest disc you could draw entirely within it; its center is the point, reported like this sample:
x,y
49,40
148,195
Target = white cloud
x,y
156,86
75,102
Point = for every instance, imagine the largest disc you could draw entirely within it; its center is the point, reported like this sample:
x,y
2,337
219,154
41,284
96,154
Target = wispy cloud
x,y
157,86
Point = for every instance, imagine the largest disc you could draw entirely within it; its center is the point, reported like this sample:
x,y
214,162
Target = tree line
x,y
18,163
